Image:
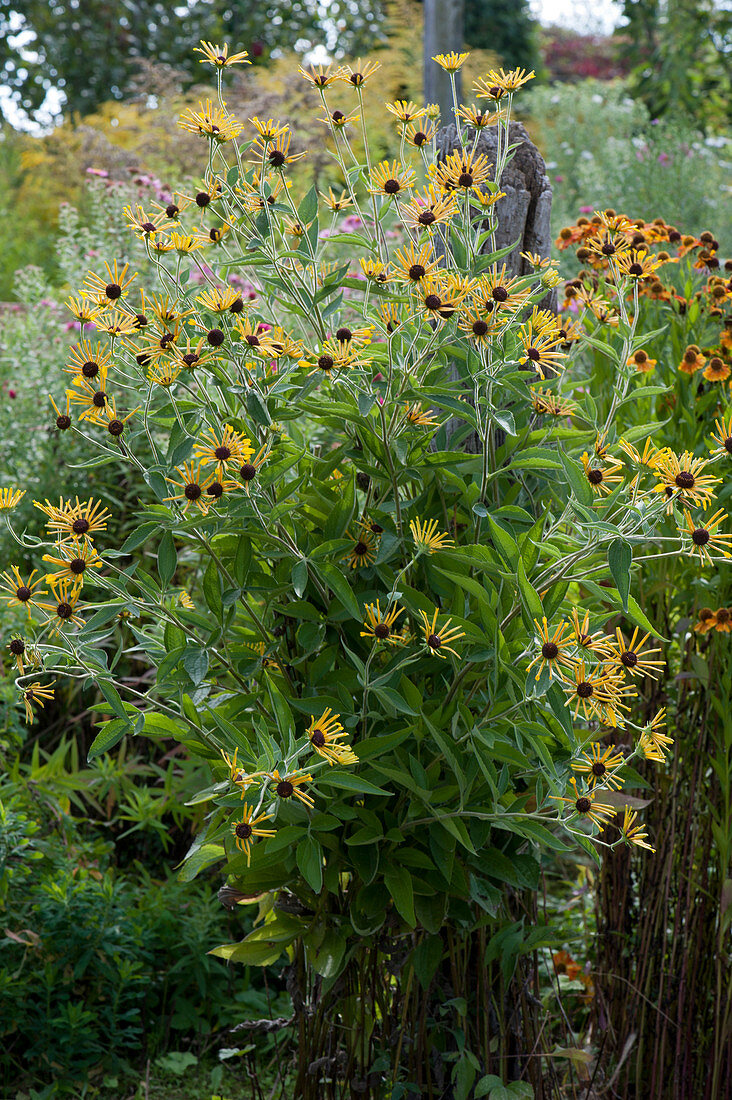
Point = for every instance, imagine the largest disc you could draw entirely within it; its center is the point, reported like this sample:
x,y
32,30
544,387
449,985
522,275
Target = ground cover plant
x,y
371,573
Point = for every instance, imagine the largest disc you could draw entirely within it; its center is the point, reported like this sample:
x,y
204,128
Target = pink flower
x,y
12,393
585,209
559,179
98,172
663,158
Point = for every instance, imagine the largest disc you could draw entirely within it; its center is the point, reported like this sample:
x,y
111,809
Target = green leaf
x,y
576,479
620,558
139,537
212,588
504,544
529,595
110,734
398,882
309,859
167,559
300,576
346,781
195,662
308,207
332,575
426,958
257,409
634,612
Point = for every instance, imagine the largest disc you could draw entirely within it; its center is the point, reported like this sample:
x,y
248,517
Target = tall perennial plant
x,y
372,571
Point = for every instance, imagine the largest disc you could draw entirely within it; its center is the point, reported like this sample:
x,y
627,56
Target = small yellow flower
x,y
290,786
63,611
415,414
380,624
632,833
72,561
37,694
319,76
269,130
585,806
405,110
705,536
326,735
358,73
630,656
69,521
192,484
391,179
113,287
363,551
10,498
599,766
498,82
21,593
247,828
337,203
427,537
451,62
437,640
553,652
219,56
211,121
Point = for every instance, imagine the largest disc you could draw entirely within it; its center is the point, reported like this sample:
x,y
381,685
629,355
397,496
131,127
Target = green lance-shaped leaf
x,y
620,558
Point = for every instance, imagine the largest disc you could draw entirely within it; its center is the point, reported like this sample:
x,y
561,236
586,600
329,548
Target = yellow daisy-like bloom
x,y
438,640
553,652
73,522
414,414
375,270
357,74
89,361
419,135
255,336
221,300
716,370
326,735
334,355
497,291
706,537
290,786
184,243
653,731
165,372
145,225
642,361
723,436
595,692
631,658
337,203
248,828
451,62
116,323
249,470
219,56
632,833
592,642
391,179
72,561
223,448
66,594
412,264
275,154
541,350
427,537
237,774
429,209
585,806
211,121
546,403
602,478
185,601
478,119
463,171
269,130
650,749
111,288
17,648
706,620
10,498
440,298
38,695
84,310
682,478
599,766
363,551
192,485
90,393
504,81
320,76
405,110
637,265
380,624
21,593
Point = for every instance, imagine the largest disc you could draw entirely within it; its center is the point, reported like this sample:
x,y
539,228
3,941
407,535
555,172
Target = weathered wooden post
x,y
443,33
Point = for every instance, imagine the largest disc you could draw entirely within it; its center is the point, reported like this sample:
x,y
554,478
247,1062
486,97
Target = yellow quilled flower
x,y
650,749
630,656
145,225
439,640
255,336
249,470
723,436
112,287
592,641
603,477
585,806
37,695
219,56
10,498
63,610
429,209
17,648
221,300
269,130
275,154
554,649
497,291
320,76
358,73
595,692
237,774
682,478
632,833
21,593
69,521
192,482
210,121
375,270
223,448
89,361
337,203
637,265
419,135
85,310
451,62
438,298
427,536
478,119
705,536
463,171
291,785
405,110
475,326
498,80
72,561
546,403
391,179
380,624
248,828
415,414
411,264
353,337
363,551
326,735
600,766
